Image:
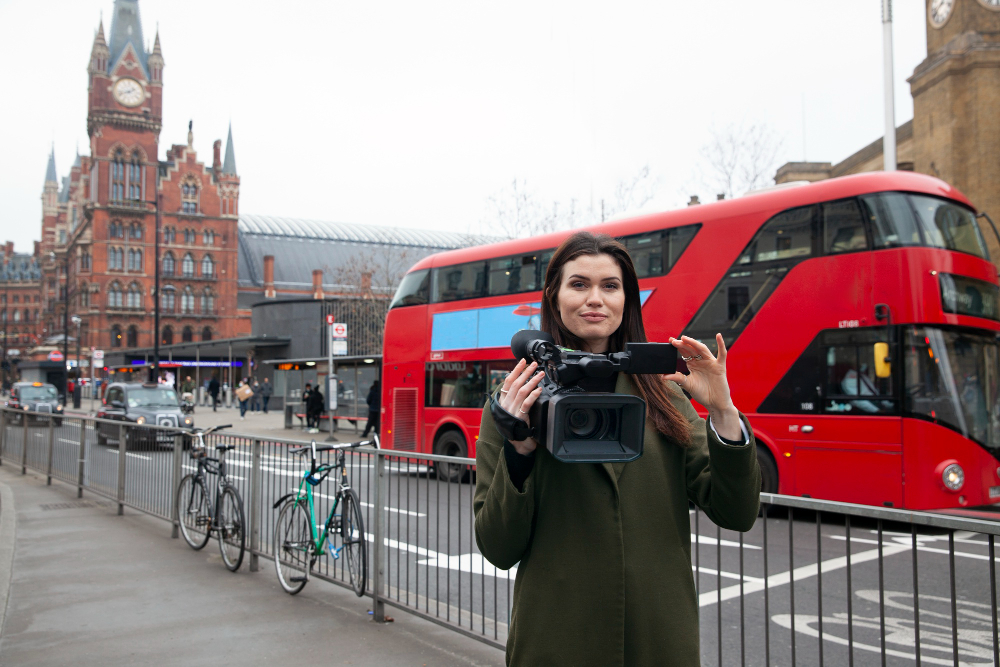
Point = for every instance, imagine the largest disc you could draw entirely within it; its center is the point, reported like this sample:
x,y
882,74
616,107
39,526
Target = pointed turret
x,y
99,53
126,31
229,166
50,191
155,61
50,173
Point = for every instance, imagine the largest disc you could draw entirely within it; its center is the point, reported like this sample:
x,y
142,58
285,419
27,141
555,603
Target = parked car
x,y
137,404
35,397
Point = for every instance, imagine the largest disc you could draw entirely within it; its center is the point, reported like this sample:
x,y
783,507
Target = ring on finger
x,y
522,411
686,359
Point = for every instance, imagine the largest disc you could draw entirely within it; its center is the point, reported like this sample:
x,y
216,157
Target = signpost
x,y
97,359
337,345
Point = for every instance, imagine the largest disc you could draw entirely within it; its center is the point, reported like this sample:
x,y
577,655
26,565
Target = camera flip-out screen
x,y
595,427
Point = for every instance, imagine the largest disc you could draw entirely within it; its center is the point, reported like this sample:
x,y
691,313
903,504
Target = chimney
x,y
217,155
317,283
269,292
694,201
9,249
38,248
720,196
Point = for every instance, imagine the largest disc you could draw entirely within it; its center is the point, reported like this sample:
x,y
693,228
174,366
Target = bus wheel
x,y
768,470
451,443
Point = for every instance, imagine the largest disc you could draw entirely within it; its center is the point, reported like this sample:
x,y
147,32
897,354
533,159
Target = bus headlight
x,y
187,420
952,475
140,420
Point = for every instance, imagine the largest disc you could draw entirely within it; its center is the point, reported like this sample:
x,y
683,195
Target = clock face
x,y
990,4
940,11
129,92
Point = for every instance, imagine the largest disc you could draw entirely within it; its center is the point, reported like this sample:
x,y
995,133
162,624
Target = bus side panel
x,y
929,445
465,420
772,433
402,407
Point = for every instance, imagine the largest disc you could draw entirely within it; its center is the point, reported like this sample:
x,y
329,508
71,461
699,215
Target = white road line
x,y
727,575
907,547
703,539
71,442
363,503
132,454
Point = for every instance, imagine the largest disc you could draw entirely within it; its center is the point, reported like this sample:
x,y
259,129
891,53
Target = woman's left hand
x,y
706,381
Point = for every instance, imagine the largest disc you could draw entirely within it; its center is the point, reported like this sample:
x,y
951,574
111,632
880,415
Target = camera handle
x,y
510,427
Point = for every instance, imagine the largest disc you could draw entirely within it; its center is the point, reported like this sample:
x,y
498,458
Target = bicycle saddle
x,y
225,448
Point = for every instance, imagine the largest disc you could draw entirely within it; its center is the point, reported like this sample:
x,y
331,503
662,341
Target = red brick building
x,y
99,237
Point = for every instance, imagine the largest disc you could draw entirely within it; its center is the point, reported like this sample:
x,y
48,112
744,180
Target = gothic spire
x,y
229,166
126,29
50,173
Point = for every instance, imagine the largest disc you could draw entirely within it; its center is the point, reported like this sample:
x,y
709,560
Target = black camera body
x,y
574,424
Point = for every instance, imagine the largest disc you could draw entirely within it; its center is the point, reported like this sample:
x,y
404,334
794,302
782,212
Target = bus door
x,y
850,449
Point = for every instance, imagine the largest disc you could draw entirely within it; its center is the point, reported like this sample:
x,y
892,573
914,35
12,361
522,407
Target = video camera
x,y
574,424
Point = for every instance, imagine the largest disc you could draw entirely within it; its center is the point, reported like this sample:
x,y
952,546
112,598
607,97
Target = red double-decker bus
x,y
861,313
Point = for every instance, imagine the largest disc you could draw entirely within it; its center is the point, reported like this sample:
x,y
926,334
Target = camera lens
x,y
587,423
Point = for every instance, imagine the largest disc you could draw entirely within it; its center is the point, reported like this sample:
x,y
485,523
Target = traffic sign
x,y
338,330
329,319
340,347
98,355
55,355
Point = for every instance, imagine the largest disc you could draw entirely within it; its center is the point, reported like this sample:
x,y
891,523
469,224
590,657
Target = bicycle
x,y
194,513
298,543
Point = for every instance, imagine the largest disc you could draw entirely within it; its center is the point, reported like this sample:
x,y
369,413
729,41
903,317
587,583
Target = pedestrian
x,y
213,391
314,407
255,399
305,402
603,551
187,391
243,397
266,391
374,408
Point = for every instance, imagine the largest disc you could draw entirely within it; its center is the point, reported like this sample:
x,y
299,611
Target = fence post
x,y
255,505
378,606
178,462
52,445
82,458
3,433
121,469
24,444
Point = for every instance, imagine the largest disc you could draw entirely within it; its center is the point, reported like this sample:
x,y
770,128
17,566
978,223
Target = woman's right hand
x,y
519,392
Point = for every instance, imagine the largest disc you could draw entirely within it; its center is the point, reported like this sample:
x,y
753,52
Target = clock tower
x,y
956,90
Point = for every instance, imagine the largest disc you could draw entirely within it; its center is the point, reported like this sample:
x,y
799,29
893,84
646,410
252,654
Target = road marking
x,y
907,546
132,454
187,466
68,441
364,504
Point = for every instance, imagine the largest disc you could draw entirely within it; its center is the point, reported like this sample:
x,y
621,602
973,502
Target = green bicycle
x,y
298,543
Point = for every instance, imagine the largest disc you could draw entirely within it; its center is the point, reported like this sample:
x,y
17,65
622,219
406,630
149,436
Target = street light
x,y
65,300
77,320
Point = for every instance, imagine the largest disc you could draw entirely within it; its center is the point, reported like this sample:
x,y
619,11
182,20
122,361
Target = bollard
x,y
255,504
24,444
82,458
52,444
121,469
378,606
3,433
178,462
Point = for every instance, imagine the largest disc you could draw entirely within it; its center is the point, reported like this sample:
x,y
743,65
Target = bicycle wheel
x,y
231,528
293,546
192,511
352,532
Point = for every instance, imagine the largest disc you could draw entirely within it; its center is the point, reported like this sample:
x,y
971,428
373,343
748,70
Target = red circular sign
x,y
340,331
55,355
329,319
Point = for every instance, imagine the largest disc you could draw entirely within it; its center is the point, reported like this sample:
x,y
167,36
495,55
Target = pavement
x,y
80,585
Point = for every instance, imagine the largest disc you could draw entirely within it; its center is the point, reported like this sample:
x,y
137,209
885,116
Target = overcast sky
x,y
413,113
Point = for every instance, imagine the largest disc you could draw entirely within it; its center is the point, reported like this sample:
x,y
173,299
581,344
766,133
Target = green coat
x,y
604,550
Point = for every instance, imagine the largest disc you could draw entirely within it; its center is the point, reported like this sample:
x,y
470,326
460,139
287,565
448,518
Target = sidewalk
x,y
88,587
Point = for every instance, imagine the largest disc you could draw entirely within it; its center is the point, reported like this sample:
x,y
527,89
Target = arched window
x,y
207,302
135,177
168,336
135,231
189,198
134,297
116,230
27,315
167,295
169,235
115,296
169,264
118,177
207,267
206,333
84,296
187,266
116,336
116,259
190,236
208,237
187,335
132,337
187,301
85,261
135,260
17,315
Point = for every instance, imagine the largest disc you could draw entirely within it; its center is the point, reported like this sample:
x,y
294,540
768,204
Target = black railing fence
x,y
813,583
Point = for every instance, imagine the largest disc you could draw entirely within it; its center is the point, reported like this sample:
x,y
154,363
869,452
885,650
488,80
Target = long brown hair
x,y
665,417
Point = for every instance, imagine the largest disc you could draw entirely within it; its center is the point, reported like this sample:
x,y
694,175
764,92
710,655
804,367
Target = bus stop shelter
x,y
355,376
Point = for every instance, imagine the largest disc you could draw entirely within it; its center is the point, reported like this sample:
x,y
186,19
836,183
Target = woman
x,y
604,550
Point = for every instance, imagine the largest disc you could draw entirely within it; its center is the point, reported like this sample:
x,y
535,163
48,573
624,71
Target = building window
x,y
208,237
207,302
189,198
116,230
118,177
135,232
62,237
189,236
132,338
168,336
134,297
207,267
187,266
135,260
187,301
187,335
85,261
135,178
169,235
116,259
167,299
84,297
206,334
115,296
169,264
17,315
116,336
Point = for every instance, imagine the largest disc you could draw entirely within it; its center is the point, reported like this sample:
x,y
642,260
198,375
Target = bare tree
x,y
739,158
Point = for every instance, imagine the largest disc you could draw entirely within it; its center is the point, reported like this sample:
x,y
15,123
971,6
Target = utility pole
x,y
889,141
158,203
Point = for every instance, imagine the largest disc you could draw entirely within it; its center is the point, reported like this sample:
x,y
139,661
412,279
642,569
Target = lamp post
x,y
65,300
77,320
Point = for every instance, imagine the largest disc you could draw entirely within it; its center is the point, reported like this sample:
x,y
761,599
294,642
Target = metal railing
x,y
814,582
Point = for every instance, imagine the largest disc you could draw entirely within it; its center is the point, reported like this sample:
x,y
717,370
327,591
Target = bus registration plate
x,y
995,492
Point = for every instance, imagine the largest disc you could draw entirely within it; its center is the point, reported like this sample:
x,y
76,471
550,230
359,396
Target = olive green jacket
x,y
604,550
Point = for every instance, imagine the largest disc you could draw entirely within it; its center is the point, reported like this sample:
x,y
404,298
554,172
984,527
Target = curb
x,y
8,531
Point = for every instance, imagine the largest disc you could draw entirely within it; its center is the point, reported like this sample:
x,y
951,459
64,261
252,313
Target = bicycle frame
x,y
204,465
305,490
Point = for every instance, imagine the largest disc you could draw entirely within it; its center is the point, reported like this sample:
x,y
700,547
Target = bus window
x,y
510,275
784,241
947,225
892,220
462,281
851,383
414,289
655,253
843,227
457,384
